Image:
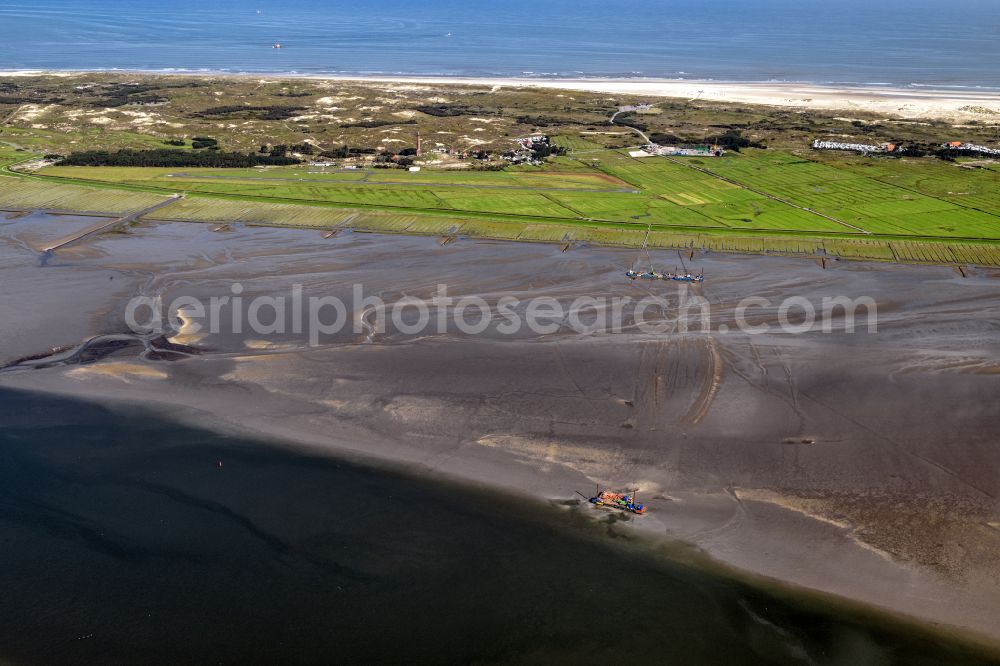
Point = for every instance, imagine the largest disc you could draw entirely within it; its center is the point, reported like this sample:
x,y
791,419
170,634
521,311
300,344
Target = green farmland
x,y
756,201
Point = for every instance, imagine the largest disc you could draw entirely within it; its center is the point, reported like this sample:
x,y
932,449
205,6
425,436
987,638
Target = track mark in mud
x,y
650,388
370,329
755,355
900,447
762,383
664,375
793,392
711,380
735,521
657,380
565,369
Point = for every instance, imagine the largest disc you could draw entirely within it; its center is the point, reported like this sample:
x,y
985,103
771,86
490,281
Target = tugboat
x,y
620,501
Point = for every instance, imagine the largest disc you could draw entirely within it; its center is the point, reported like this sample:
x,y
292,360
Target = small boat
x,y
652,274
620,501
687,277
276,45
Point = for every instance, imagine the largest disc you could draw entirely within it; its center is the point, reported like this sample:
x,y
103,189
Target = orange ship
x,y
621,501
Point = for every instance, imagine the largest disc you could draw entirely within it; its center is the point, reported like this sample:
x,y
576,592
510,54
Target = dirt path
x,y
109,225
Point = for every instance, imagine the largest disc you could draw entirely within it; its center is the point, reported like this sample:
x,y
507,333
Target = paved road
x,y
645,138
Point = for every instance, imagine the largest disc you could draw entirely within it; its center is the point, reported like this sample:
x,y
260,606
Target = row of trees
x,y
451,110
166,157
197,142
543,149
281,150
731,139
345,151
271,112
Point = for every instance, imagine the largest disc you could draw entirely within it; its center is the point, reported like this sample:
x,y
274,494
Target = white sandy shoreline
x,y
954,104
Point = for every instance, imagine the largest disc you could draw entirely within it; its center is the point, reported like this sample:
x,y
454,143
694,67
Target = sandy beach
x,y
911,103
951,104
849,464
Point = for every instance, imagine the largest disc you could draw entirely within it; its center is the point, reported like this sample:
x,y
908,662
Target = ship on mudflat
x,y
633,274
651,274
620,501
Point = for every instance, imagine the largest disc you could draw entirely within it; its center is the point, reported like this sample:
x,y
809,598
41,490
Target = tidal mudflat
x,y
857,464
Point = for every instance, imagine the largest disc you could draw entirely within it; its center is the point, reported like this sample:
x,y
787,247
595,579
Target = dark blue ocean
x,y
897,42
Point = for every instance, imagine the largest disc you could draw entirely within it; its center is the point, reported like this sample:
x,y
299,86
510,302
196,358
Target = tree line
x,y
166,157
260,112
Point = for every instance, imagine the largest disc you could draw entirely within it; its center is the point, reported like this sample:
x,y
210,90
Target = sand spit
x,y
856,464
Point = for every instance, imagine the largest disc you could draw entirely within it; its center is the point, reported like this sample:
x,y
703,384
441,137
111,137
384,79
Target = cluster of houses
x,y
530,150
531,142
971,148
635,107
654,149
863,148
895,149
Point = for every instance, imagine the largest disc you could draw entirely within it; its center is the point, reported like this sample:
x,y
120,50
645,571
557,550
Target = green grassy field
x,y
25,194
757,201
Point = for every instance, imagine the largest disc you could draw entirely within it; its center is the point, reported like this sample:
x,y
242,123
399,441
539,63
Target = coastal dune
x,y
954,104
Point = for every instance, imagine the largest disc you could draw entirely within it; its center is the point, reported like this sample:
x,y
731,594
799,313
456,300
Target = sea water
x,y
895,42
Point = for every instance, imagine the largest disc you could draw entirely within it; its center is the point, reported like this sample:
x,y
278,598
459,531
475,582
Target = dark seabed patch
x,y
128,538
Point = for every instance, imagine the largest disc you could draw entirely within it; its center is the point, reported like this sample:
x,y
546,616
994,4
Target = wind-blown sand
x,y
861,465
953,104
